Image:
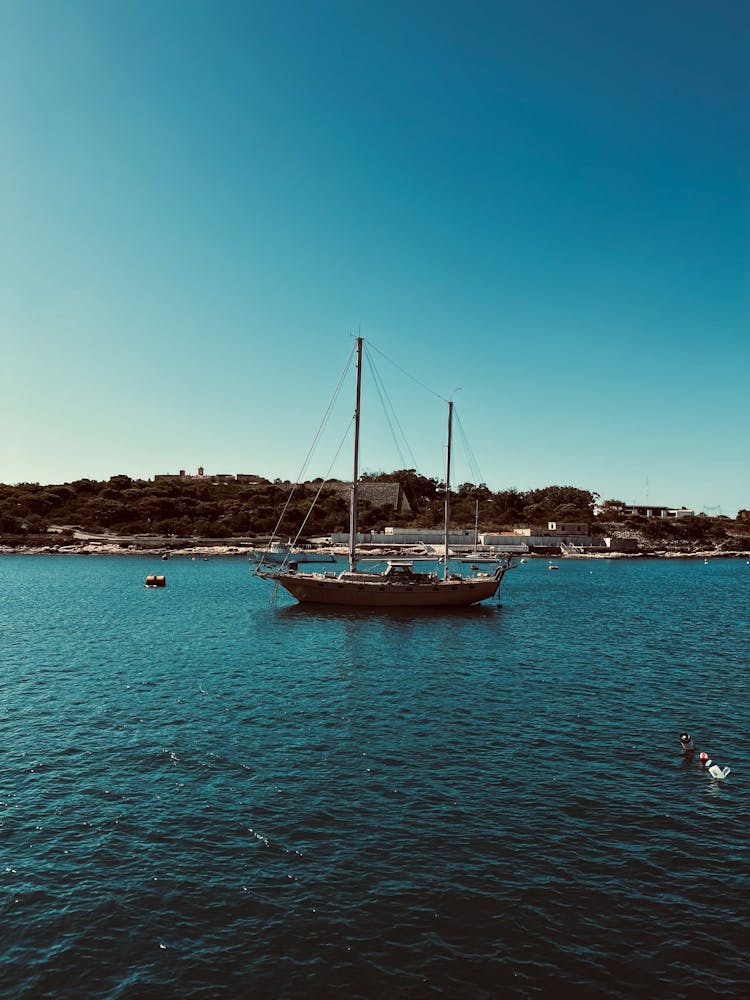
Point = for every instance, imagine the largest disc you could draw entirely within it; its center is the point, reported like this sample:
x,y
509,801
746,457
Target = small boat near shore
x,y
278,554
485,557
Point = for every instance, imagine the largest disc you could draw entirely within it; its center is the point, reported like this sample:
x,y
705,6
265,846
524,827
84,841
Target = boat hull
x,y
318,589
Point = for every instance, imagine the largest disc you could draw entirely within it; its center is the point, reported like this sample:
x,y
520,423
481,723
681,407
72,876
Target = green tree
x,y
612,510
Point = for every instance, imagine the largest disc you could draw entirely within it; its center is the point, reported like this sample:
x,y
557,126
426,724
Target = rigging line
x,y
320,488
326,415
314,444
380,389
395,417
471,458
408,374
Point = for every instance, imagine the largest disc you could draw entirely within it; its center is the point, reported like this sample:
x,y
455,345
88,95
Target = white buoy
x,y
716,772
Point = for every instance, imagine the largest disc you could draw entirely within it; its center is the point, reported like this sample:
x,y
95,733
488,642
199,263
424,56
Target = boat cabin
x,y
402,571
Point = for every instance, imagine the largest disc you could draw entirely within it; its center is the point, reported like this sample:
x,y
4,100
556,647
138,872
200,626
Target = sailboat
x,y
479,553
278,553
399,585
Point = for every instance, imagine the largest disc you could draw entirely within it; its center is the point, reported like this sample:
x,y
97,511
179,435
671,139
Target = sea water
x,y
206,791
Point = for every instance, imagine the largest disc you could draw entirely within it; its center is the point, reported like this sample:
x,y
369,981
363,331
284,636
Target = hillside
x,y
226,509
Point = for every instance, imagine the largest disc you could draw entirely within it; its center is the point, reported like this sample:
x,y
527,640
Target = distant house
x,y
649,510
201,477
378,494
170,477
394,537
555,529
529,539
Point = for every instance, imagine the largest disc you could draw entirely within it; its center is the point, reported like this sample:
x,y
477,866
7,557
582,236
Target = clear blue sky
x,y
545,204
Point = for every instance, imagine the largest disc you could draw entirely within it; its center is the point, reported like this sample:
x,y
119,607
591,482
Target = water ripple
x,y
203,795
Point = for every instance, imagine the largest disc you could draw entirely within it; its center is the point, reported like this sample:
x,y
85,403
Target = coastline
x,y
208,551
110,549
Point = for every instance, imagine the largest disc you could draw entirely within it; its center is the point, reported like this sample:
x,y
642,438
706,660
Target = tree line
x,y
122,505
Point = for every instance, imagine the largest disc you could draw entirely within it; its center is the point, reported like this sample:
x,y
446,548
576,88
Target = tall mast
x,y
448,487
355,474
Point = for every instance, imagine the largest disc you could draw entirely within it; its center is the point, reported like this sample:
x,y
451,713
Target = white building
x,y
649,510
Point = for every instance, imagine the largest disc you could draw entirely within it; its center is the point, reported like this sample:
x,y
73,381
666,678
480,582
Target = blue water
x,y
203,794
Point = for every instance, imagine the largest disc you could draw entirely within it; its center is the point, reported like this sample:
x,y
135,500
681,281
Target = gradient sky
x,y
544,204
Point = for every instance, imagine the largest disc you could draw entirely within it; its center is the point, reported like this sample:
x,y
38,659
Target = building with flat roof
x,y
650,510
201,477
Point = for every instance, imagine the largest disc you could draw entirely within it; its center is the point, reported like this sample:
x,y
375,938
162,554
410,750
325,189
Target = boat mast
x,y
448,487
355,474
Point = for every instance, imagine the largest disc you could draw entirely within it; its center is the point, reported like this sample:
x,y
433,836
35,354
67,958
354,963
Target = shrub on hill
x,y
122,505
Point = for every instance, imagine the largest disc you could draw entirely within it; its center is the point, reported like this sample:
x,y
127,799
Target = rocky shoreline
x,y
243,551
108,549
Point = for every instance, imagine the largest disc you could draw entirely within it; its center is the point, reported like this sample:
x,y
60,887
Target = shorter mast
x,y
448,487
355,473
